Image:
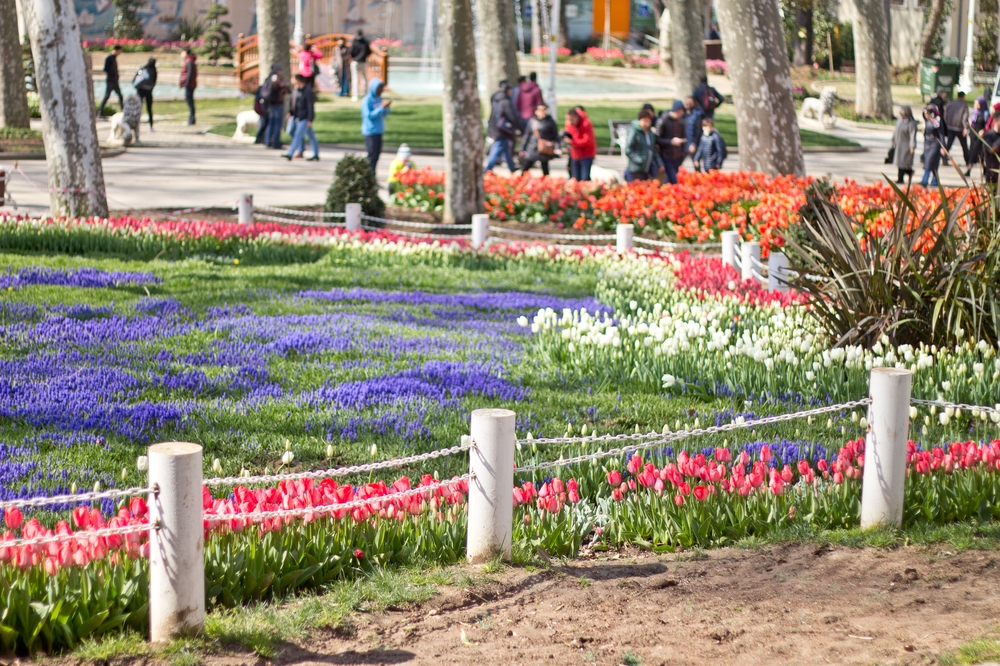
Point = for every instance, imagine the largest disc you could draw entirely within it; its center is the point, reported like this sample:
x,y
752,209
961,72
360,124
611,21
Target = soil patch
x,y
798,604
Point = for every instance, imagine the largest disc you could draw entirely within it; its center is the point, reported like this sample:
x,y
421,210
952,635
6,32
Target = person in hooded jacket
x,y
528,98
541,136
578,133
934,138
502,128
671,139
144,81
904,141
644,160
374,109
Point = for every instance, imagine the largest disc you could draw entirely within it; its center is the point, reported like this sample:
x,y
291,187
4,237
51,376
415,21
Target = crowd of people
x,y
656,144
978,134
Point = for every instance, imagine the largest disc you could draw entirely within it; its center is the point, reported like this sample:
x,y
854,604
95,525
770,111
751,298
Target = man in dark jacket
x,y
692,124
111,79
671,139
707,98
303,114
360,50
502,128
956,120
189,81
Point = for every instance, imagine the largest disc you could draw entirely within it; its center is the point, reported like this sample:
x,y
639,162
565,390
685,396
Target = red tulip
x,y
679,500
700,493
615,477
13,517
359,554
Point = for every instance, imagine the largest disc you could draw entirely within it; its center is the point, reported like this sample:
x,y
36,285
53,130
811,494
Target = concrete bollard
x,y
623,237
777,272
352,216
885,447
749,254
245,207
177,548
491,500
480,230
730,245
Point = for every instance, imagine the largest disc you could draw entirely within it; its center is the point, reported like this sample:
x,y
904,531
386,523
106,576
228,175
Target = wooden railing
x,y
248,57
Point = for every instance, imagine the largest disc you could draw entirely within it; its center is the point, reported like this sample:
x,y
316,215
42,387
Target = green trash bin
x,y
937,74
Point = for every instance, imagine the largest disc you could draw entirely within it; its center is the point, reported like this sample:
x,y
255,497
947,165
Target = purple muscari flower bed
x,y
491,301
79,277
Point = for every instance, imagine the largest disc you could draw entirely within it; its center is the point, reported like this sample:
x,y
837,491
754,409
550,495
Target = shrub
x,y
354,182
931,277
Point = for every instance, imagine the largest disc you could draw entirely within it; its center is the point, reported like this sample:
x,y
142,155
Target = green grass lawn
x,y
419,125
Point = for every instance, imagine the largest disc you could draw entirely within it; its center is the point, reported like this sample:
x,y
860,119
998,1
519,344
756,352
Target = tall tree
x,y
687,34
462,115
871,34
663,28
13,95
273,38
498,41
768,130
802,44
932,28
536,25
69,130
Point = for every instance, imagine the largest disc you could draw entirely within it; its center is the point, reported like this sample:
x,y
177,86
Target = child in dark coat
x,y
711,151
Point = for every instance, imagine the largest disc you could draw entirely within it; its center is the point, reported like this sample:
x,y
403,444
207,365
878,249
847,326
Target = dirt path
x,y
798,604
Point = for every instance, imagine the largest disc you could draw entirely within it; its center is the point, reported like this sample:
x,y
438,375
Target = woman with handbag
x,y
904,144
541,138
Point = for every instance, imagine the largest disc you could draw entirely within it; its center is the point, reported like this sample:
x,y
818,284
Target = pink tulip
x,y
13,518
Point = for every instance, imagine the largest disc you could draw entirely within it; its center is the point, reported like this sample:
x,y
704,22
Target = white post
x,y
491,501
885,447
245,207
730,241
297,35
553,47
480,230
965,83
777,272
177,549
749,253
352,216
623,237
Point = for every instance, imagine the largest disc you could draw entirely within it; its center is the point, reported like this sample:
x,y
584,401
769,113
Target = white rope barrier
x,y
301,223
683,246
538,234
956,405
36,502
414,234
77,536
301,213
415,225
343,471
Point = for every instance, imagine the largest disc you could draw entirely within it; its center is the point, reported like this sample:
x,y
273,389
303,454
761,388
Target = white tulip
x,y
217,466
287,457
142,463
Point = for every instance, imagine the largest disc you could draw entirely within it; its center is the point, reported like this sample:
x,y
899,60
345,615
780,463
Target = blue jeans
x,y
929,175
580,169
501,148
669,171
301,131
275,116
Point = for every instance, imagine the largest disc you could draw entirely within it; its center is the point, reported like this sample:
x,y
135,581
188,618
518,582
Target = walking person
x,y
144,81
360,50
671,139
977,125
373,112
711,151
904,140
189,81
707,98
502,128
309,57
644,160
956,121
579,134
934,138
273,94
692,125
303,112
529,96
541,137
111,84
343,55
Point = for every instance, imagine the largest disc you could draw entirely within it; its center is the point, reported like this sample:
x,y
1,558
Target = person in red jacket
x,y
579,135
189,81
528,98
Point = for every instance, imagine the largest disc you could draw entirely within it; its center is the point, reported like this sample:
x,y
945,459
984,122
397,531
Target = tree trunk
x,y
802,51
462,116
498,41
687,44
666,55
563,26
69,131
928,38
753,39
871,60
536,25
13,96
273,38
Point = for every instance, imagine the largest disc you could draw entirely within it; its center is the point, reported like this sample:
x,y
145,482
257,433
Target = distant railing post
x,y
777,272
491,491
730,243
623,237
884,478
352,216
177,546
244,206
749,253
480,230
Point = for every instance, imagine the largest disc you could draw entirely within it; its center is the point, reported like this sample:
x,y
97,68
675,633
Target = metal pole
x,y
965,83
352,216
606,41
177,548
491,501
553,48
884,478
623,237
777,272
297,35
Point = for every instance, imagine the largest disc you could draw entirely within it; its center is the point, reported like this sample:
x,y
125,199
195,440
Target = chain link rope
x,y
77,536
72,499
302,213
955,405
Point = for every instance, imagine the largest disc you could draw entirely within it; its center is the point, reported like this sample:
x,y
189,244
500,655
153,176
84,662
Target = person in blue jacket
x,y
692,124
373,112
